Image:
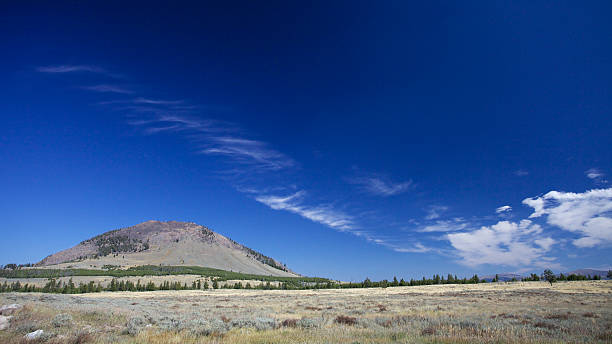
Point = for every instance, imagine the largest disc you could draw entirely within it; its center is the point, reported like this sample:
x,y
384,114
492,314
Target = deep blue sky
x,y
346,139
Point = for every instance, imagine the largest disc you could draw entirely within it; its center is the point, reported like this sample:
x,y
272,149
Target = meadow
x,y
517,312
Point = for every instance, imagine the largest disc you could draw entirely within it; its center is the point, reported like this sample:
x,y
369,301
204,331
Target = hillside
x,y
166,243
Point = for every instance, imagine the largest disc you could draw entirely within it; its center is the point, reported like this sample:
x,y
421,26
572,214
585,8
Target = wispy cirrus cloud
x,y
380,186
452,225
322,214
108,89
249,152
596,175
250,163
141,100
521,173
588,214
204,133
59,69
435,211
416,248
335,219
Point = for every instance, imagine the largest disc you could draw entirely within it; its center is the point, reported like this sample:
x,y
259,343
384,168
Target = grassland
x,y
520,312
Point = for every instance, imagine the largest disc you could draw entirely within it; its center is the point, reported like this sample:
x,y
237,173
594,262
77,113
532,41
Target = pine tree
x,y
549,276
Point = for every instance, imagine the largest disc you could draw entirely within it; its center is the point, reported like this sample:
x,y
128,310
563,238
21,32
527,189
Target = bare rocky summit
x,y
166,243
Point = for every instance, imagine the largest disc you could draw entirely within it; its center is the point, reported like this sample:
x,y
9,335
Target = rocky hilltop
x,y
166,243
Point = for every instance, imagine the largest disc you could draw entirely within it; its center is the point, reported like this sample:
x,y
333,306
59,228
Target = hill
x,y
169,243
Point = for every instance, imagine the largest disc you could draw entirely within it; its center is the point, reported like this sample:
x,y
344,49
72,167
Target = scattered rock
x,y
4,322
34,335
9,309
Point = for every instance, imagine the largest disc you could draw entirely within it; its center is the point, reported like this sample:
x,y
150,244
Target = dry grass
x,y
487,313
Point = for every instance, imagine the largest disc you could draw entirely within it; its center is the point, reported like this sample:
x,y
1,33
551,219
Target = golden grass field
x,y
520,312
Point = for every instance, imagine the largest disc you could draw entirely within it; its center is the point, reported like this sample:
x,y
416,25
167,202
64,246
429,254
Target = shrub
x,y
428,331
135,325
542,324
557,316
242,322
384,321
80,338
203,327
309,322
257,323
26,327
289,323
62,320
345,320
169,324
262,324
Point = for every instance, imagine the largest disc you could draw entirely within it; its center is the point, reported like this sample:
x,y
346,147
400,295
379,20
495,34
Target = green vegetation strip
x,y
152,270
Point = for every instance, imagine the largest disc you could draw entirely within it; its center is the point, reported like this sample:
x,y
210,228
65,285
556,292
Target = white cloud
x,y
521,173
108,89
505,243
503,209
453,225
379,187
435,211
587,214
321,214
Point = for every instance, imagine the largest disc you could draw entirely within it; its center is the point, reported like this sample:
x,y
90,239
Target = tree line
x,y
54,286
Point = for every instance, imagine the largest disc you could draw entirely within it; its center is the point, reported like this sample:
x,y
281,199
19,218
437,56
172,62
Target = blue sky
x,y
347,139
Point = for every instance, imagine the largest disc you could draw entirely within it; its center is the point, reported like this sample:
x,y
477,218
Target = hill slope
x,y
166,243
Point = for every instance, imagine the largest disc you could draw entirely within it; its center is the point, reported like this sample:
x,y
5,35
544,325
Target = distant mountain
x,y
505,277
166,243
587,272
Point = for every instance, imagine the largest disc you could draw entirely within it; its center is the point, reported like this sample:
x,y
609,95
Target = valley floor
x,y
520,312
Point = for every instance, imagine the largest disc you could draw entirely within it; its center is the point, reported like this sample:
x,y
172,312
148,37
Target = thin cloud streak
x,y
379,187
157,101
249,151
327,216
596,175
453,225
74,69
203,132
294,204
108,89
